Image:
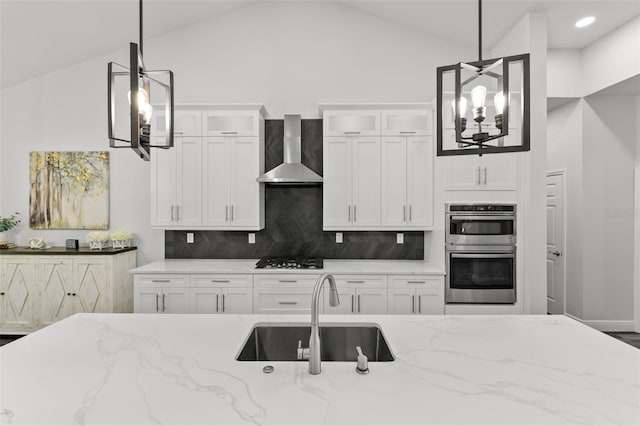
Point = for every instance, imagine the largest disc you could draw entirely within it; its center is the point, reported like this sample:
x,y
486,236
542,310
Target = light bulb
x,y
144,107
463,107
478,95
498,102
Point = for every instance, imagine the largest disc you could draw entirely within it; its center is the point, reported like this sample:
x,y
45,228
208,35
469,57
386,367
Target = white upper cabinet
x,y
209,182
407,122
351,187
185,123
343,122
176,186
231,123
376,182
491,172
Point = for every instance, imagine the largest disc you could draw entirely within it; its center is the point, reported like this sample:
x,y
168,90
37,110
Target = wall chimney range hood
x,y
291,171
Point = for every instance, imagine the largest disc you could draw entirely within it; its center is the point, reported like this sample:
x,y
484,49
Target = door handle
x,y
160,281
410,213
413,303
217,305
287,281
222,302
164,306
219,281
354,214
352,302
351,133
226,213
419,303
478,175
358,303
171,213
404,213
231,212
349,212
355,282
285,303
408,133
157,304
177,213
555,253
485,175
229,133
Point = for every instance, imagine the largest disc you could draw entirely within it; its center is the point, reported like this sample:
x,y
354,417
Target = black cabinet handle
x,y
73,294
2,294
68,294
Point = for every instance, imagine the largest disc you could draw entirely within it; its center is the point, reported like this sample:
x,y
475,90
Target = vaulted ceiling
x,y
39,36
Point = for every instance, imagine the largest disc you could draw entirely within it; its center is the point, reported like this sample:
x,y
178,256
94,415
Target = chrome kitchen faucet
x,y
313,352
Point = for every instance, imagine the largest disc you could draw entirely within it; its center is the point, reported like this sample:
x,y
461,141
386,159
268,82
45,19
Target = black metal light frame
x,y
484,67
140,134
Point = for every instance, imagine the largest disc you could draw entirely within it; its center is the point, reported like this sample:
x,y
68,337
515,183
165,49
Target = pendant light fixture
x,y
499,93
135,95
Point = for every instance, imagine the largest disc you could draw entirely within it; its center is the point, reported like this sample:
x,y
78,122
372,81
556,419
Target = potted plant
x,y
7,223
97,240
121,239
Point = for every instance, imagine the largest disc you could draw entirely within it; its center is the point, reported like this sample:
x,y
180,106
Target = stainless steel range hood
x,y
292,170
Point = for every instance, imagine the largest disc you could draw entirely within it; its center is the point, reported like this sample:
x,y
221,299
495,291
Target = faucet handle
x,y
303,353
362,366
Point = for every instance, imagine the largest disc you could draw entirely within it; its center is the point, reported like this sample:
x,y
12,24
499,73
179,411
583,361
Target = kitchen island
x,y
137,369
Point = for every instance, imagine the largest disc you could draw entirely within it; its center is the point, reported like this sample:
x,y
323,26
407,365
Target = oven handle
x,y
493,217
484,255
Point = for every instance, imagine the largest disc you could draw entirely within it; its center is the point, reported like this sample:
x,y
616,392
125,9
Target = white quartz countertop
x,y
138,369
235,266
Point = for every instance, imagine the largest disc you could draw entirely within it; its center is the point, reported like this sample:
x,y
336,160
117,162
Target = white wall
x,y
530,35
564,152
287,55
564,73
613,58
609,141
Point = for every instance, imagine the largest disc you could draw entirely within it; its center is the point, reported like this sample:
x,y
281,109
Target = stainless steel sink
x,y
279,342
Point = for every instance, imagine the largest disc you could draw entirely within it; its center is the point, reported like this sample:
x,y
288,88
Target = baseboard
x,y
628,325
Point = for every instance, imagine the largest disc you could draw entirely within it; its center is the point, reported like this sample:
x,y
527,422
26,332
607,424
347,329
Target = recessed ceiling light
x,y
585,21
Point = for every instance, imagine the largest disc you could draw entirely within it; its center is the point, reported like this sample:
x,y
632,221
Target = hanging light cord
x,y
140,18
479,29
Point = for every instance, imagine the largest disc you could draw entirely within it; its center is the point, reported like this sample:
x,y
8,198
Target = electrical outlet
x,y
190,238
399,238
252,238
338,237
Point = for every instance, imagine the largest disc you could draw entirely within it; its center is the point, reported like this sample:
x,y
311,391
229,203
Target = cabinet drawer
x,y
279,281
231,123
161,280
407,122
360,281
424,283
282,301
351,122
222,281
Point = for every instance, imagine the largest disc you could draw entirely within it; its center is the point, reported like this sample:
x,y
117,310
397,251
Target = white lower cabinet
x,y
358,294
422,295
222,294
167,294
283,294
197,294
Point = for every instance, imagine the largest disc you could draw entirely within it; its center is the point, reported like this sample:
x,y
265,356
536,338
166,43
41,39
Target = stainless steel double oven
x,y
480,253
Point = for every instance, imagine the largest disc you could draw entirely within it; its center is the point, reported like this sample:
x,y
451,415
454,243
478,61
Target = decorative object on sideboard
x,y
69,190
7,223
98,240
506,79
121,239
71,244
38,243
129,118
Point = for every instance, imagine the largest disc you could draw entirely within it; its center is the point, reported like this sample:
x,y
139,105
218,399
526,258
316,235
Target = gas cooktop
x,y
292,262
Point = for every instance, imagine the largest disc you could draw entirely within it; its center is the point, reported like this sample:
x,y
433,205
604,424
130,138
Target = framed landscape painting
x,y
69,190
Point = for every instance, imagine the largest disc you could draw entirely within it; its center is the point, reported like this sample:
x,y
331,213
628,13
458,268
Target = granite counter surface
x,y
128,369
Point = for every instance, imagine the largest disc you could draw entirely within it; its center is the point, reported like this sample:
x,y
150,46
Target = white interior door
x,y
555,244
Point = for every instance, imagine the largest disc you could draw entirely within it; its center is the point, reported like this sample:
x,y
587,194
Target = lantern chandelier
x,y
134,95
499,93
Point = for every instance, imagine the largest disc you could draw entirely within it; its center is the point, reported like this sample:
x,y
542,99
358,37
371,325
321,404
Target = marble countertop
x,y
335,266
142,369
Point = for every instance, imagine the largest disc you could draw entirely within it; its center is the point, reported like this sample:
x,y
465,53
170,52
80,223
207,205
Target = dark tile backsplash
x,y
293,219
